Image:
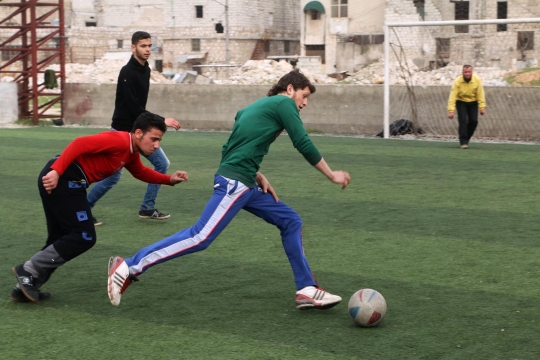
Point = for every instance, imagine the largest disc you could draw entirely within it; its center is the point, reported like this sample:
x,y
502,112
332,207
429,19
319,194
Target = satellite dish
x,y
335,29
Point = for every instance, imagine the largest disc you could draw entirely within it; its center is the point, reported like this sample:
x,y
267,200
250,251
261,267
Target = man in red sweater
x,y
62,186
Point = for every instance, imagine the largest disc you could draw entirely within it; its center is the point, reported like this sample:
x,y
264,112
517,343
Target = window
x,y
267,46
502,13
315,47
525,40
316,50
158,64
91,23
339,8
462,13
195,44
420,8
119,43
198,11
442,52
286,46
315,15
155,46
367,39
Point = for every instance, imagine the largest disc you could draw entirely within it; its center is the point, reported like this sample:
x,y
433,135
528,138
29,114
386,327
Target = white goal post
x,y
388,27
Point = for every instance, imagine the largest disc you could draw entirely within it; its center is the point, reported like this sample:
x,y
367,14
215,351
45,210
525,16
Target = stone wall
x,y
355,57
481,45
339,109
213,50
174,25
247,16
87,44
417,44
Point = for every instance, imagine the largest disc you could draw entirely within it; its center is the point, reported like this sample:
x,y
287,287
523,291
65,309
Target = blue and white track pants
x,y
230,196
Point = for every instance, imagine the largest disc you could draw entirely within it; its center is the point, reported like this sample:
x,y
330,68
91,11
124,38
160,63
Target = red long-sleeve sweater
x,y
103,154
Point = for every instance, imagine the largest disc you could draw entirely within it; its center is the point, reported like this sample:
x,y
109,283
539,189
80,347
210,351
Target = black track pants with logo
x,y
70,225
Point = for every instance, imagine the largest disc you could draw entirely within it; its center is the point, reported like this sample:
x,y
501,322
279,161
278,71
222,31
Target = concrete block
x,y
187,77
9,111
202,80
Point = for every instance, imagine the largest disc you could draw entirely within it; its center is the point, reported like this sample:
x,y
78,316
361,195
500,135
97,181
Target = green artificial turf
x,y
448,236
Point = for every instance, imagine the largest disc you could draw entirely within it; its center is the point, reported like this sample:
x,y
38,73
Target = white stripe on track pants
x,y
230,196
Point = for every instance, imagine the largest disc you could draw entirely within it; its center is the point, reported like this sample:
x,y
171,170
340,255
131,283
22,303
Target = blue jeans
x,y
161,164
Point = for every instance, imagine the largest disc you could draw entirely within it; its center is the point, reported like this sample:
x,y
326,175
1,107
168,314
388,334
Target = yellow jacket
x,y
467,91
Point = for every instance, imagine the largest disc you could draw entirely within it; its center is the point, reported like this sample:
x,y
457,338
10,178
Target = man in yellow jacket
x,y
467,96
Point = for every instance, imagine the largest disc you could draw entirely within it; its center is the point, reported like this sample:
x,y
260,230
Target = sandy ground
x,y
526,78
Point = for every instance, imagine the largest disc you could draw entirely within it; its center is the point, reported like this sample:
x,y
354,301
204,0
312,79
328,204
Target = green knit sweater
x,y
255,128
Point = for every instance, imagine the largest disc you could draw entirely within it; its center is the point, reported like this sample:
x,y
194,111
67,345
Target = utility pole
x,y
227,52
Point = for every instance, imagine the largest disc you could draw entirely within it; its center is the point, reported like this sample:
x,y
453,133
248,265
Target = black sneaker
x,y
96,222
26,283
18,296
153,214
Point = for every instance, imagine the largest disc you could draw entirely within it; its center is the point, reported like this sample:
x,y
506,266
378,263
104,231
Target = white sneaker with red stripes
x,y
119,279
312,297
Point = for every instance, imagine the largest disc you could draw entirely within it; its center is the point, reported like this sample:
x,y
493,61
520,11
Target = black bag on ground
x,y
400,127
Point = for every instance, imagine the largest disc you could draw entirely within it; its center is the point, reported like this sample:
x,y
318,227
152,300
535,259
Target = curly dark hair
x,y
296,79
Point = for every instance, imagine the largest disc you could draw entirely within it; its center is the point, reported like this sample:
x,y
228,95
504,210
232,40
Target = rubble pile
x,y
258,72
400,74
269,71
102,71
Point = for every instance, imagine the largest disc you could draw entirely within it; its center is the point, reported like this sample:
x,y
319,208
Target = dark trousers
x,y
70,226
467,113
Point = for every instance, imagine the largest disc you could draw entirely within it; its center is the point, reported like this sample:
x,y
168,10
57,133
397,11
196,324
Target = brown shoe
x,y
464,146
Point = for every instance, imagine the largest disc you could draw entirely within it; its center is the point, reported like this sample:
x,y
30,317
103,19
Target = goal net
x,y
422,59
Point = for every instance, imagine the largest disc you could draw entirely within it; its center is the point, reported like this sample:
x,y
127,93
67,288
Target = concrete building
x,y
186,32
350,33
334,28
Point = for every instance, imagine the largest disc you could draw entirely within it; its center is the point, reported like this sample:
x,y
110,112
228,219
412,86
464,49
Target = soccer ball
x,y
367,307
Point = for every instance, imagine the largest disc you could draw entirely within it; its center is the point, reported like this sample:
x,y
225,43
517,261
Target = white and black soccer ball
x,y
367,307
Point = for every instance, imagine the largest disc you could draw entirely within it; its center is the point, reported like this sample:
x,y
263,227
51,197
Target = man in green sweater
x,y
238,185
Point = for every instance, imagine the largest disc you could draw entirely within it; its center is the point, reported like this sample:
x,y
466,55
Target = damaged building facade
x,y
184,32
349,34
192,32
346,34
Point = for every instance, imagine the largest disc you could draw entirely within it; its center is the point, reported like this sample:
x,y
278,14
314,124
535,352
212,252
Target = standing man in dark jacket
x,y
131,96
